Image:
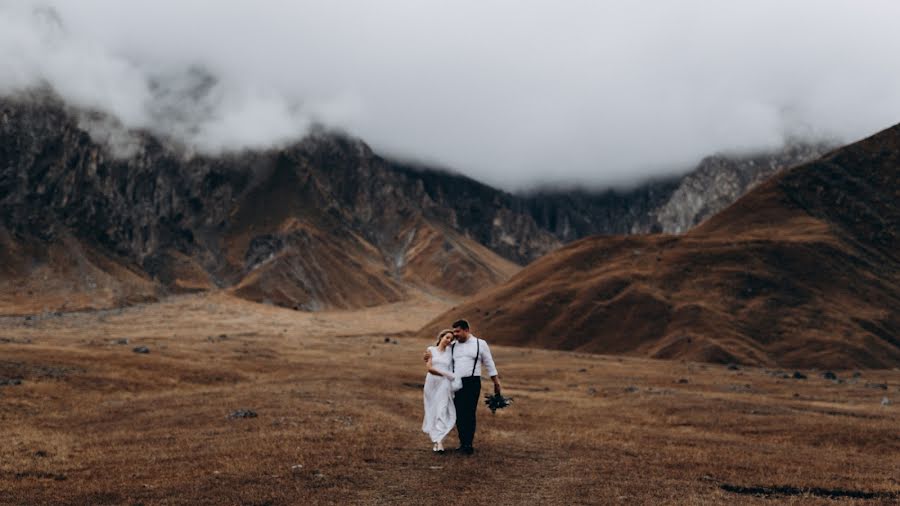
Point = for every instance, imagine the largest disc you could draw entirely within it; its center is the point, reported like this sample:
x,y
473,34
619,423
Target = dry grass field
x,y
338,399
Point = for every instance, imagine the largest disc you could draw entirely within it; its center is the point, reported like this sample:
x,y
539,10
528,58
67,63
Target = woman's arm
x,y
433,370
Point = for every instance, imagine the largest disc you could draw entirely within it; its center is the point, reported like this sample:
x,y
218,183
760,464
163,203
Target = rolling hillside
x,y
802,271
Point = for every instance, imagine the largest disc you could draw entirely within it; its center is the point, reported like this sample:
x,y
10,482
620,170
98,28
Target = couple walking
x,y
453,385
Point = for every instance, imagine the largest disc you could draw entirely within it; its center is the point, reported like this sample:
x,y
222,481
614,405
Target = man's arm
x,y
487,360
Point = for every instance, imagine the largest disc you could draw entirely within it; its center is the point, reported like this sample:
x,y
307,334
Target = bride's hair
x,y
440,335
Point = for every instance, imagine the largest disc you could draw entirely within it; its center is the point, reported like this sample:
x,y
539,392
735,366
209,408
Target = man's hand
x,y
496,380
427,356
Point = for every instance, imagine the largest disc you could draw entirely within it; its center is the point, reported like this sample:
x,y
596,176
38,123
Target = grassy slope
x,y
802,271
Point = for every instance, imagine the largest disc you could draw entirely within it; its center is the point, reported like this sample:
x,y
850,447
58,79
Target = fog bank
x,y
513,93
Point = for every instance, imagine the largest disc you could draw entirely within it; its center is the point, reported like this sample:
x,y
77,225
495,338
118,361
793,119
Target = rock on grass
x,y
242,413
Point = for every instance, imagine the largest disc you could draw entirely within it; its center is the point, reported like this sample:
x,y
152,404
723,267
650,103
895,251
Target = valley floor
x,y
339,404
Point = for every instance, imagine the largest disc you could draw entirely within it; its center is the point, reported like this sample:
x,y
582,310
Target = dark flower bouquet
x,y
497,401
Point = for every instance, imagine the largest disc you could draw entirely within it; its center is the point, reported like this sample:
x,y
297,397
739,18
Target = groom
x,y
469,353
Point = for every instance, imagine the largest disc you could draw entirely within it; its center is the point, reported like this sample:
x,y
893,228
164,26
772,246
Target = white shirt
x,y
464,357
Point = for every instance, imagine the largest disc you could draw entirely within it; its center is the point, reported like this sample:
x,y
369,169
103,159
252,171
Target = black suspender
x,y
452,362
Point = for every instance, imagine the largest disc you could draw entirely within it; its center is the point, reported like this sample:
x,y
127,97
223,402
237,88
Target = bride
x,y
440,383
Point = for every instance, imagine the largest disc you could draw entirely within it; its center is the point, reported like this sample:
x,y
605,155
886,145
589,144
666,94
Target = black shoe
x,y
465,450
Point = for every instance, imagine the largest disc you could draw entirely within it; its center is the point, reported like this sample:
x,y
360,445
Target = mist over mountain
x,y
515,95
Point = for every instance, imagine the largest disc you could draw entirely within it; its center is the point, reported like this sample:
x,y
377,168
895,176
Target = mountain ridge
x,y
255,222
195,223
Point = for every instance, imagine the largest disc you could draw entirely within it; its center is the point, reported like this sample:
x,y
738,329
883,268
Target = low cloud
x,y
513,93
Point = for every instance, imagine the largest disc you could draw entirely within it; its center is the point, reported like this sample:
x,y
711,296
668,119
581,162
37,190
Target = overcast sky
x,y
512,93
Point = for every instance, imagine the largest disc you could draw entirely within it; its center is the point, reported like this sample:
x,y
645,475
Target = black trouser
x,y
466,401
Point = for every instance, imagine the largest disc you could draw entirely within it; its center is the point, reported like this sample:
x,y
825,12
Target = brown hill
x,y
65,274
801,272
294,253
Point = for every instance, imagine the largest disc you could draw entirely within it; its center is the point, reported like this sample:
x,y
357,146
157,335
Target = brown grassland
x,y
339,404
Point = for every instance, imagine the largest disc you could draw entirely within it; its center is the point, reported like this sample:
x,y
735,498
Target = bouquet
x,y
497,401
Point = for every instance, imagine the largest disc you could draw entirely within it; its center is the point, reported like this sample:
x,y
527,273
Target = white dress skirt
x,y
440,413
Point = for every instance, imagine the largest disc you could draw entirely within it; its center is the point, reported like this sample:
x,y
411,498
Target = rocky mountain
x,y
671,205
92,214
803,271
720,180
322,223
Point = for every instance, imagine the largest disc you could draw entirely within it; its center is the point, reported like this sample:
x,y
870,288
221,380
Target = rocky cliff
x,y
671,205
720,180
321,223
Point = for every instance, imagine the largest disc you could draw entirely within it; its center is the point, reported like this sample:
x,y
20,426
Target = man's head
x,y
461,330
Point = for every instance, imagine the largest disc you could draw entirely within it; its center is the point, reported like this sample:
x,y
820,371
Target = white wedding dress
x,y
440,413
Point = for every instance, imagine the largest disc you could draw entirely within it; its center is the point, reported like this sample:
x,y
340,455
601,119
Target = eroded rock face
x,y
672,205
195,222
571,215
720,180
55,177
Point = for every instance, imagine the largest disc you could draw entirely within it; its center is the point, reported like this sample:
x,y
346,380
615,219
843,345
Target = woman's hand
x,y
450,376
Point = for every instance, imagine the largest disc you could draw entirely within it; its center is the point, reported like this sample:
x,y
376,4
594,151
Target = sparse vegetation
x,y
339,417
